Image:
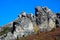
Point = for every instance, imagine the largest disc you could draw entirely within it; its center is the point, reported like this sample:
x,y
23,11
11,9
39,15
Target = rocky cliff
x,y
44,20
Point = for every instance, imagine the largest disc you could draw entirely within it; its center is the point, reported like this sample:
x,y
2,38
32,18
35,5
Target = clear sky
x,y
9,9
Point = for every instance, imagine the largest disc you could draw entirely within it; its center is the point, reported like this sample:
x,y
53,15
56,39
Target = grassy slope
x,y
5,30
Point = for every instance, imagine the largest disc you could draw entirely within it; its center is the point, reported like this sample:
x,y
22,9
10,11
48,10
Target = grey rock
x,y
58,20
24,27
44,14
43,20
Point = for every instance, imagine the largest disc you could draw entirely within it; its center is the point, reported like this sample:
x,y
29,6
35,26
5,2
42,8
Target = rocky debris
x,y
26,24
3,37
8,36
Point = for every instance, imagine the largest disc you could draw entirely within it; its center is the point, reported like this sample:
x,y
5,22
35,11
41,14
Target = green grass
x,y
5,30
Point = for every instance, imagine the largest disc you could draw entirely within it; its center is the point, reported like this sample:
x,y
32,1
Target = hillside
x,y
52,35
43,25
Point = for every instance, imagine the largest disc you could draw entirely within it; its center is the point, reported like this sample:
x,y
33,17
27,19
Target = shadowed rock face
x,y
58,15
58,20
40,14
42,21
37,9
14,27
45,16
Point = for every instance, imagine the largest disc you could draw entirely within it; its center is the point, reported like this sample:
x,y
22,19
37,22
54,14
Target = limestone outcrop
x,y
44,20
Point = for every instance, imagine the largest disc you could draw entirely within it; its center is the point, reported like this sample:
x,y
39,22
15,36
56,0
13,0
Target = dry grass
x,y
52,35
36,28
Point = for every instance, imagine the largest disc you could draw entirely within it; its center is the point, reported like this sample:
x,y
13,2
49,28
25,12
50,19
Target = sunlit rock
x,y
26,24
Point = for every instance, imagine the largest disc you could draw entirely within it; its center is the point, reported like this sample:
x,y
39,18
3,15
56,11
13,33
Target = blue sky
x,y
9,9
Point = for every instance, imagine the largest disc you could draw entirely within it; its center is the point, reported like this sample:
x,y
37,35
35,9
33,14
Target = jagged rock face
x,y
24,27
42,21
41,15
58,20
45,18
